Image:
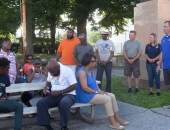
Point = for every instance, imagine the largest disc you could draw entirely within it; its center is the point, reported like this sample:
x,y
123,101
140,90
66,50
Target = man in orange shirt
x,y
66,49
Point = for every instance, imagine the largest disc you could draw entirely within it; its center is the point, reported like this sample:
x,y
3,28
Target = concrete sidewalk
x,y
139,118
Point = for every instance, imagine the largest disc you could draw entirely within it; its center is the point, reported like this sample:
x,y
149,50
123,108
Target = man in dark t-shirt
x,y
5,104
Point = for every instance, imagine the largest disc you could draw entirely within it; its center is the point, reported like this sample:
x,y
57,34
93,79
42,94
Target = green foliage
x,y
112,12
42,56
142,99
94,37
9,17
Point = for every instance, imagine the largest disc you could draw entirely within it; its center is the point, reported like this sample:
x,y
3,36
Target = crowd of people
x,y
72,78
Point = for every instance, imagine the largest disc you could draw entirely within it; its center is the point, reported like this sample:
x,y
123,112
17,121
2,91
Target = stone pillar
x,y
149,17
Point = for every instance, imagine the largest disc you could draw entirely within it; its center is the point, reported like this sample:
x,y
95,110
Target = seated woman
x,y
88,92
23,72
29,64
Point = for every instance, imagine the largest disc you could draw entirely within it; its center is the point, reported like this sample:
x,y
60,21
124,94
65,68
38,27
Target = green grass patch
x,y
142,99
42,56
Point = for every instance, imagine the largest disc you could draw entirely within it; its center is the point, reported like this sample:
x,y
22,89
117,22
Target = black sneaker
x,y
151,93
129,90
158,94
136,90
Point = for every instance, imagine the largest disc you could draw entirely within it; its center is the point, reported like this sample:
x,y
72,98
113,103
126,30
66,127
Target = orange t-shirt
x,y
26,67
66,47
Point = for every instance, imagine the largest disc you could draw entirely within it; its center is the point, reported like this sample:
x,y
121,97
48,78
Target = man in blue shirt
x,y
165,56
5,104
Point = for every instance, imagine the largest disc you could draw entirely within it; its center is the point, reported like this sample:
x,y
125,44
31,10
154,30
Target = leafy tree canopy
x,y
9,17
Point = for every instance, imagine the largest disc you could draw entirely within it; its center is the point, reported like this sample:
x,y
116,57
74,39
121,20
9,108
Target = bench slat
x,y
33,109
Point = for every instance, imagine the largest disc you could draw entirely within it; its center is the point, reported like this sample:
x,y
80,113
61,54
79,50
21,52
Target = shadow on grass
x,y
142,99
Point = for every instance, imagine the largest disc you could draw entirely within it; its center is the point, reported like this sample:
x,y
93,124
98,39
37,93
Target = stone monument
x,y
149,17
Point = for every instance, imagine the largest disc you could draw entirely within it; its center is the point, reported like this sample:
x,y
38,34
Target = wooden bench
x,y
39,86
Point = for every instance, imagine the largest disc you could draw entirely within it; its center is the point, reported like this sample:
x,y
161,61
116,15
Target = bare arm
x,y
125,56
160,59
47,86
110,57
44,71
30,75
159,63
83,82
58,56
67,90
138,56
97,56
75,59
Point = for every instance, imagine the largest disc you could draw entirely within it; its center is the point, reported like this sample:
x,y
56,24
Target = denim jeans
x,y
153,75
108,70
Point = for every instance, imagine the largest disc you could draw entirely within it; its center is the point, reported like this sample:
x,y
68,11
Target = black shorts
x,y
166,73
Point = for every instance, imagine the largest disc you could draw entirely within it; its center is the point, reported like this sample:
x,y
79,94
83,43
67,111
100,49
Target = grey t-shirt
x,y
80,50
132,48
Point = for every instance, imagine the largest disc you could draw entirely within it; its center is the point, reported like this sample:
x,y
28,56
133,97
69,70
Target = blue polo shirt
x,y
152,51
4,82
165,48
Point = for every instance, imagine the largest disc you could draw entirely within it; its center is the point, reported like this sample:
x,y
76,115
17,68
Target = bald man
x,y
60,90
81,49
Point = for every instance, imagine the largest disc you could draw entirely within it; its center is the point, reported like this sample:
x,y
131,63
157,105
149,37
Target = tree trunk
x,y
53,29
81,22
29,30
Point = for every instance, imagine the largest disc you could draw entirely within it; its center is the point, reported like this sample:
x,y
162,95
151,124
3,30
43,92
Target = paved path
x,y
139,118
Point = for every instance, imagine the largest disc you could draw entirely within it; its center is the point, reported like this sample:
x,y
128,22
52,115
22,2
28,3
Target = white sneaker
x,y
167,107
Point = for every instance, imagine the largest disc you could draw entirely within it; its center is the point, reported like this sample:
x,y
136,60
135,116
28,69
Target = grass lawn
x,y
42,56
142,99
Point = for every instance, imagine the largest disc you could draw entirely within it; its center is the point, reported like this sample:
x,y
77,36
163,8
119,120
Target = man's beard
x,y
70,37
57,74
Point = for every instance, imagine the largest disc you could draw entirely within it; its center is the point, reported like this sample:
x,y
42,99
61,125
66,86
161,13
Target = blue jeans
x,y
153,75
64,103
13,106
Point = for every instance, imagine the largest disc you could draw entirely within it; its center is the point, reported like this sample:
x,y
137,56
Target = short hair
x,y
132,31
29,56
4,62
68,28
168,21
5,40
87,59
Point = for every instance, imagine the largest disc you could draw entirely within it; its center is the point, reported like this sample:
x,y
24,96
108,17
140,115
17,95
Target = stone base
x,y
143,83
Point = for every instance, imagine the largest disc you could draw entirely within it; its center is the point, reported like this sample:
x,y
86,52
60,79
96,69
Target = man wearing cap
x,y
66,48
104,52
81,49
132,51
35,74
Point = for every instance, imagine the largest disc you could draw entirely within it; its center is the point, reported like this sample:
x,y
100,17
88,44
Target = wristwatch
x,y
97,92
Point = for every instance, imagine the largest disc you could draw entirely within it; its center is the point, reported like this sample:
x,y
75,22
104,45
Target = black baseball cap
x,y
37,60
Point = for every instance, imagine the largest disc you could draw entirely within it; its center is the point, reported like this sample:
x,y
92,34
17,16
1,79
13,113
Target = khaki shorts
x,y
129,68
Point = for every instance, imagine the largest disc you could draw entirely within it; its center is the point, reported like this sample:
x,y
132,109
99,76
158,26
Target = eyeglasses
x,y
30,59
93,61
81,37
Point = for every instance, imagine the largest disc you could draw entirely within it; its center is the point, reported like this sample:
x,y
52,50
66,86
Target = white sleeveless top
x,y
38,77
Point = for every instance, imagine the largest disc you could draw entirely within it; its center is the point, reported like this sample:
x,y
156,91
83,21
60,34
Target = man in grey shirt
x,y
81,49
132,51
